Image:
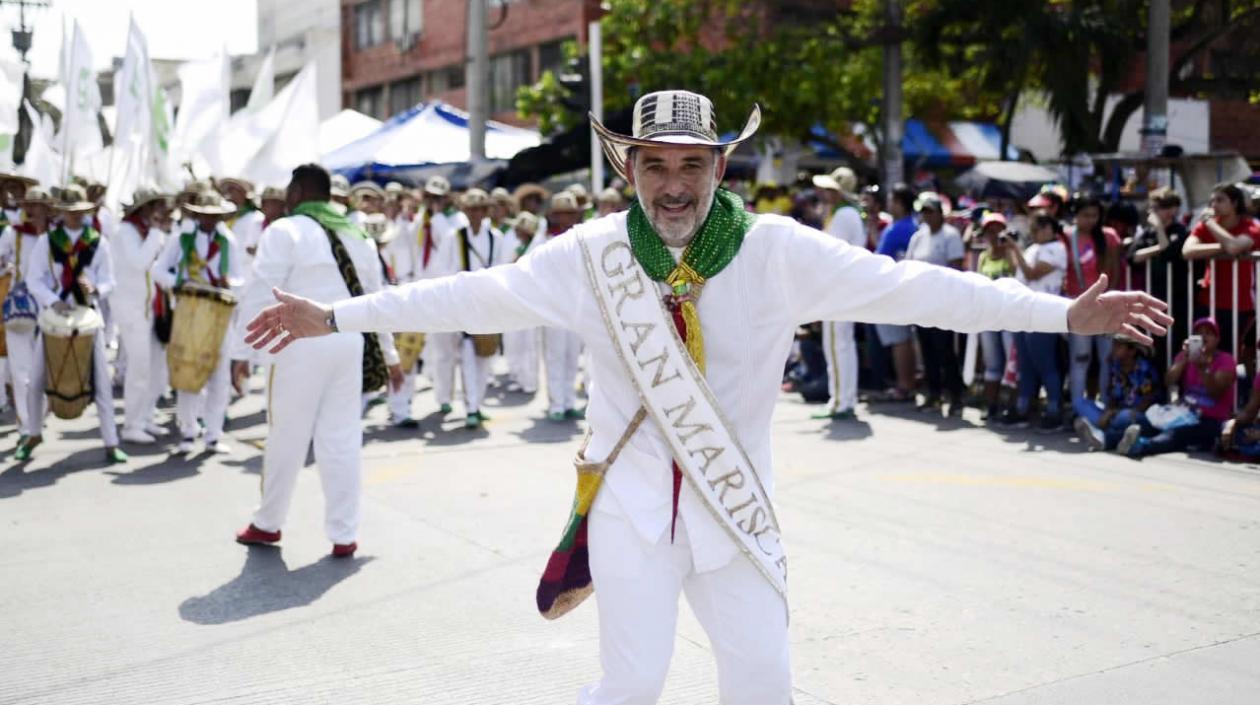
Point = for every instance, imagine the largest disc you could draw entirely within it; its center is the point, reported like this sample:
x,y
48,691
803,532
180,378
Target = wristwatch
x,y
331,319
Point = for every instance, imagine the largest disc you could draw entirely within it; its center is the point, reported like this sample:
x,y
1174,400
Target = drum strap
x,y
375,374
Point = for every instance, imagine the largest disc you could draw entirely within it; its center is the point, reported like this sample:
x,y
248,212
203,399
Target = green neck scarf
x,y
708,253
322,212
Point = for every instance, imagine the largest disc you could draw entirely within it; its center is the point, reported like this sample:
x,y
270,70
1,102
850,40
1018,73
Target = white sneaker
x,y
218,448
1130,438
155,430
185,446
1093,437
138,436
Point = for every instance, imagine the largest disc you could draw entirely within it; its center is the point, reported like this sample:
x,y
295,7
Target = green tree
x,y
806,63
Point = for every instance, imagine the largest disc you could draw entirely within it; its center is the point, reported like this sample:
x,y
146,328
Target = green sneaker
x,y
115,456
844,415
556,416
445,409
574,414
23,452
473,420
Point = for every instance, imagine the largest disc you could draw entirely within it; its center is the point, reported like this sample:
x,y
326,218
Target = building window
x,y
371,101
447,79
551,55
403,95
405,19
508,72
369,24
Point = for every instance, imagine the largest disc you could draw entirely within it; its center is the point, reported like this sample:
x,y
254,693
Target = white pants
x,y
104,391
842,365
521,349
636,592
441,351
146,375
28,397
475,374
300,411
1081,348
561,349
400,399
210,404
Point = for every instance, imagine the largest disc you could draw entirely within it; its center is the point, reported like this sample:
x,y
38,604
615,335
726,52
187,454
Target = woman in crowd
x,y
1156,248
1134,386
1093,250
1226,234
1205,374
1041,268
995,263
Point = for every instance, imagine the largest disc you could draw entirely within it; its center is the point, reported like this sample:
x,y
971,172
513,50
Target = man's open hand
x,y
284,322
1134,313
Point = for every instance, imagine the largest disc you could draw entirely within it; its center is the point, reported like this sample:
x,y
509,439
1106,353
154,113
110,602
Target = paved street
x,y
933,563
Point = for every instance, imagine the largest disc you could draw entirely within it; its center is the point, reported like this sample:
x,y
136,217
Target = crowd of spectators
x,y
1182,393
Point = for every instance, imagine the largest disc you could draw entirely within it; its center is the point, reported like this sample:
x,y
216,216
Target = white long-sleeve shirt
x,y
785,274
44,278
170,268
294,255
133,257
15,255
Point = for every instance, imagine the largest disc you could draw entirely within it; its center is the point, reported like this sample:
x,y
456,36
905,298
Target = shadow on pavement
x,y
548,431
850,430
167,468
17,479
267,585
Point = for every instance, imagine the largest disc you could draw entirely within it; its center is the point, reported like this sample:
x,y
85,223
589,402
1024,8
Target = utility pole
x,y
22,35
1155,112
477,73
597,104
894,168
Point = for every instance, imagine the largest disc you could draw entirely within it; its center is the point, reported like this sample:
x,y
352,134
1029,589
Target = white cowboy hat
x,y
671,118
437,186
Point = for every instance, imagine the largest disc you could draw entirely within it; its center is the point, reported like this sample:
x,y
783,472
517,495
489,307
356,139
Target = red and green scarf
x,y
74,257
192,266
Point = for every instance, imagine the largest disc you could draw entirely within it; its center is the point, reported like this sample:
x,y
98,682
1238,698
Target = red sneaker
x,y
252,535
344,550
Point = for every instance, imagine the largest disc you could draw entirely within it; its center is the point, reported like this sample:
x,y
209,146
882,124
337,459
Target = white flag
x,y
41,162
141,133
264,85
80,132
203,108
296,140
250,127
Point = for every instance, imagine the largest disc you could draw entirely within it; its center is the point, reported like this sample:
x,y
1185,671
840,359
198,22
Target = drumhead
x,y
204,291
81,319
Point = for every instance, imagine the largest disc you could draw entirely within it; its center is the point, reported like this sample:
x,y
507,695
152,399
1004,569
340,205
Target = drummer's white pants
x,y
521,349
637,586
28,396
842,365
441,352
475,375
210,404
561,349
104,390
314,389
400,399
145,379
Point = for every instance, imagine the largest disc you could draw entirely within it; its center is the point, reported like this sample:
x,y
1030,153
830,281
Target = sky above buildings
x,y
175,29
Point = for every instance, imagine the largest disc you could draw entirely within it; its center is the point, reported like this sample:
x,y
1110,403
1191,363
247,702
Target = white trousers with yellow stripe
x,y
842,365
314,395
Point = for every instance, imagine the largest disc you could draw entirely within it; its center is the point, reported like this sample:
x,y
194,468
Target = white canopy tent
x,y
345,127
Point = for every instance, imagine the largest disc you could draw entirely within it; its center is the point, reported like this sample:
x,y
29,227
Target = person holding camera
x,y
1205,375
994,263
1042,268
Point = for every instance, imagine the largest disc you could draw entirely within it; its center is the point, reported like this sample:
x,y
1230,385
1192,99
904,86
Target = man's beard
x,y
679,232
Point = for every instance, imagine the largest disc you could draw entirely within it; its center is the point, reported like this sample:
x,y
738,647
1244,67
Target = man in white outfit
x,y
839,191
475,247
438,223
561,346
72,265
708,386
206,254
315,385
520,347
135,248
17,247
